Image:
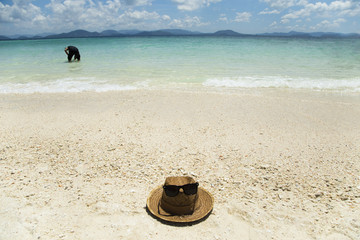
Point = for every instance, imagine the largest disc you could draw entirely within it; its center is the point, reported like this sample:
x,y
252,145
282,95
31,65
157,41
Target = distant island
x,y
177,32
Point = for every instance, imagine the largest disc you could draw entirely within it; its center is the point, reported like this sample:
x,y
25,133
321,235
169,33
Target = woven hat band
x,y
176,209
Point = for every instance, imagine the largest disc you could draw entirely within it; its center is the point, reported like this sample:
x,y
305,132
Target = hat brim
x,y
203,207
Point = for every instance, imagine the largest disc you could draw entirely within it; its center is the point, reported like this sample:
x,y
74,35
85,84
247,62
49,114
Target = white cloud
x,y
325,24
321,9
284,21
166,18
136,2
282,4
137,16
273,24
88,15
242,17
20,15
20,12
67,15
223,18
267,11
340,20
187,22
191,5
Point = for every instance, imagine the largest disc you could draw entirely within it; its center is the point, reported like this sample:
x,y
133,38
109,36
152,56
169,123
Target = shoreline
x,y
280,164
72,88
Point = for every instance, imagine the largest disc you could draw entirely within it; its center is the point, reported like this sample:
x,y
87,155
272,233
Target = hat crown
x,y
179,181
181,204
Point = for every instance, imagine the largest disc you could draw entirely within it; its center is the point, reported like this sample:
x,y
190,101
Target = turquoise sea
x,y
218,63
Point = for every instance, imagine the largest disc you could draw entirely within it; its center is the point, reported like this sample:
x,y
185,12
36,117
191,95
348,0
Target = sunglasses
x,y
173,190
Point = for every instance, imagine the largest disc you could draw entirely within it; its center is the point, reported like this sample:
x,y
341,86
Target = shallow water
x,y
180,62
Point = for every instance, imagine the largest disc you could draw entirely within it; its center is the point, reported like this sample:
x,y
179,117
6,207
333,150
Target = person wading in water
x,y
71,51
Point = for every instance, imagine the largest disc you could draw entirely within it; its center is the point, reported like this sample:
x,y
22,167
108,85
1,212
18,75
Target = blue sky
x,y
244,16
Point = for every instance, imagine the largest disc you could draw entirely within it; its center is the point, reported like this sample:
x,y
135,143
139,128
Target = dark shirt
x,y
72,49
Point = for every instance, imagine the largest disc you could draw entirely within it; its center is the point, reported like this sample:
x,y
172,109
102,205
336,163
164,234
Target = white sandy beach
x,y
280,164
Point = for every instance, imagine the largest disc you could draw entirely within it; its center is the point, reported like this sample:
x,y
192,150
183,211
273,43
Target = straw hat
x,y
181,208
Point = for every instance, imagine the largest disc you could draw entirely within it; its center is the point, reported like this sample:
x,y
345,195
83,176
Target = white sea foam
x,y
351,85
86,84
66,85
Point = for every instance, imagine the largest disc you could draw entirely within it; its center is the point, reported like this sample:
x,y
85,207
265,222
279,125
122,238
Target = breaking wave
x,y
66,85
351,85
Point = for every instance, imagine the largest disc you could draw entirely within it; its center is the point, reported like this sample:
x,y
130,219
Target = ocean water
x,y
221,63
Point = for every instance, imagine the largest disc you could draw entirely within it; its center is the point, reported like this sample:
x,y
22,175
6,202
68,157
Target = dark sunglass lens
x,y
190,189
171,191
